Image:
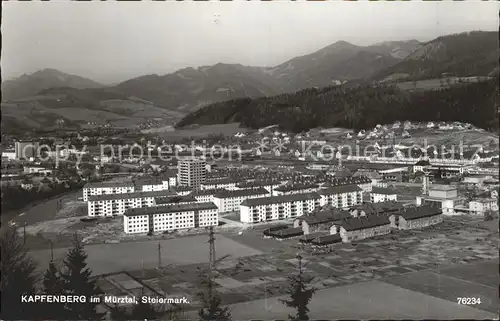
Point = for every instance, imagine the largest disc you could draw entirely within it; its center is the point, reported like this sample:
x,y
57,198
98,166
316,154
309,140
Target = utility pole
x,y
159,255
299,258
211,241
24,233
51,251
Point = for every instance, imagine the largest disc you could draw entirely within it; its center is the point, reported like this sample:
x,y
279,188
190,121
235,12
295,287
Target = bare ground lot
x,y
438,284
456,250
107,258
364,301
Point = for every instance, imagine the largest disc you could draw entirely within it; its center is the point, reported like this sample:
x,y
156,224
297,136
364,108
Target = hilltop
x,y
32,84
466,54
357,107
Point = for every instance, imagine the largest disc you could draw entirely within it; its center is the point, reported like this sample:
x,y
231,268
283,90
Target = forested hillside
x,y
357,107
465,54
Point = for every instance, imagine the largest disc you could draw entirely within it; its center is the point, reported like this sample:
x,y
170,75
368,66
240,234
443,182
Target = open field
x,y
107,258
364,301
430,84
46,211
450,138
43,111
205,130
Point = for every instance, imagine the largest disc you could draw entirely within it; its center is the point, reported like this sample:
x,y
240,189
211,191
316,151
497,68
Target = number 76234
x,y
469,301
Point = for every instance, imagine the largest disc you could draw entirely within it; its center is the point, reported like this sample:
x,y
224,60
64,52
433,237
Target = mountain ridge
x,y
341,63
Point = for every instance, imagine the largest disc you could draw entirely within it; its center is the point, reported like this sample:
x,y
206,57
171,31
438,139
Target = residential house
x,y
421,166
320,221
359,228
230,201
416,217
482,205
383,208
380,194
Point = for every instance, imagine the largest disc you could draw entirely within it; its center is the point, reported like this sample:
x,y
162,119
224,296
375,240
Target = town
x,y
286,192
249,161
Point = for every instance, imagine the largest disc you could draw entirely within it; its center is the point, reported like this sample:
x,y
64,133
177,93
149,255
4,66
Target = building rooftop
x,y
379,208
349,180
413,213
295,187
286,232
440,187
280,199
340,189
109,184
422,163
204,192
241,192
106,197
258,183
325,216
180,188
152,180
383,190
309,237
327,239
175,199
170,209
484,200
363,222
224,180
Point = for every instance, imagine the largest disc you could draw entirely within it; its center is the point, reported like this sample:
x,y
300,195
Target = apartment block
x,y
206,195
295,189
117,204
380,194
107,188
217,183
191,172
342,196
270,186
170,218
265,209
230,201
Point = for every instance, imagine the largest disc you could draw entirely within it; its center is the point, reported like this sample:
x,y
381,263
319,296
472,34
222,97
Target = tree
x,y
489,216
18,277
212,309
145,311
77,281
53,284
300,294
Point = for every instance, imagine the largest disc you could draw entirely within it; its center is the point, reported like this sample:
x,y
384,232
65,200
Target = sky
x,y
114,41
